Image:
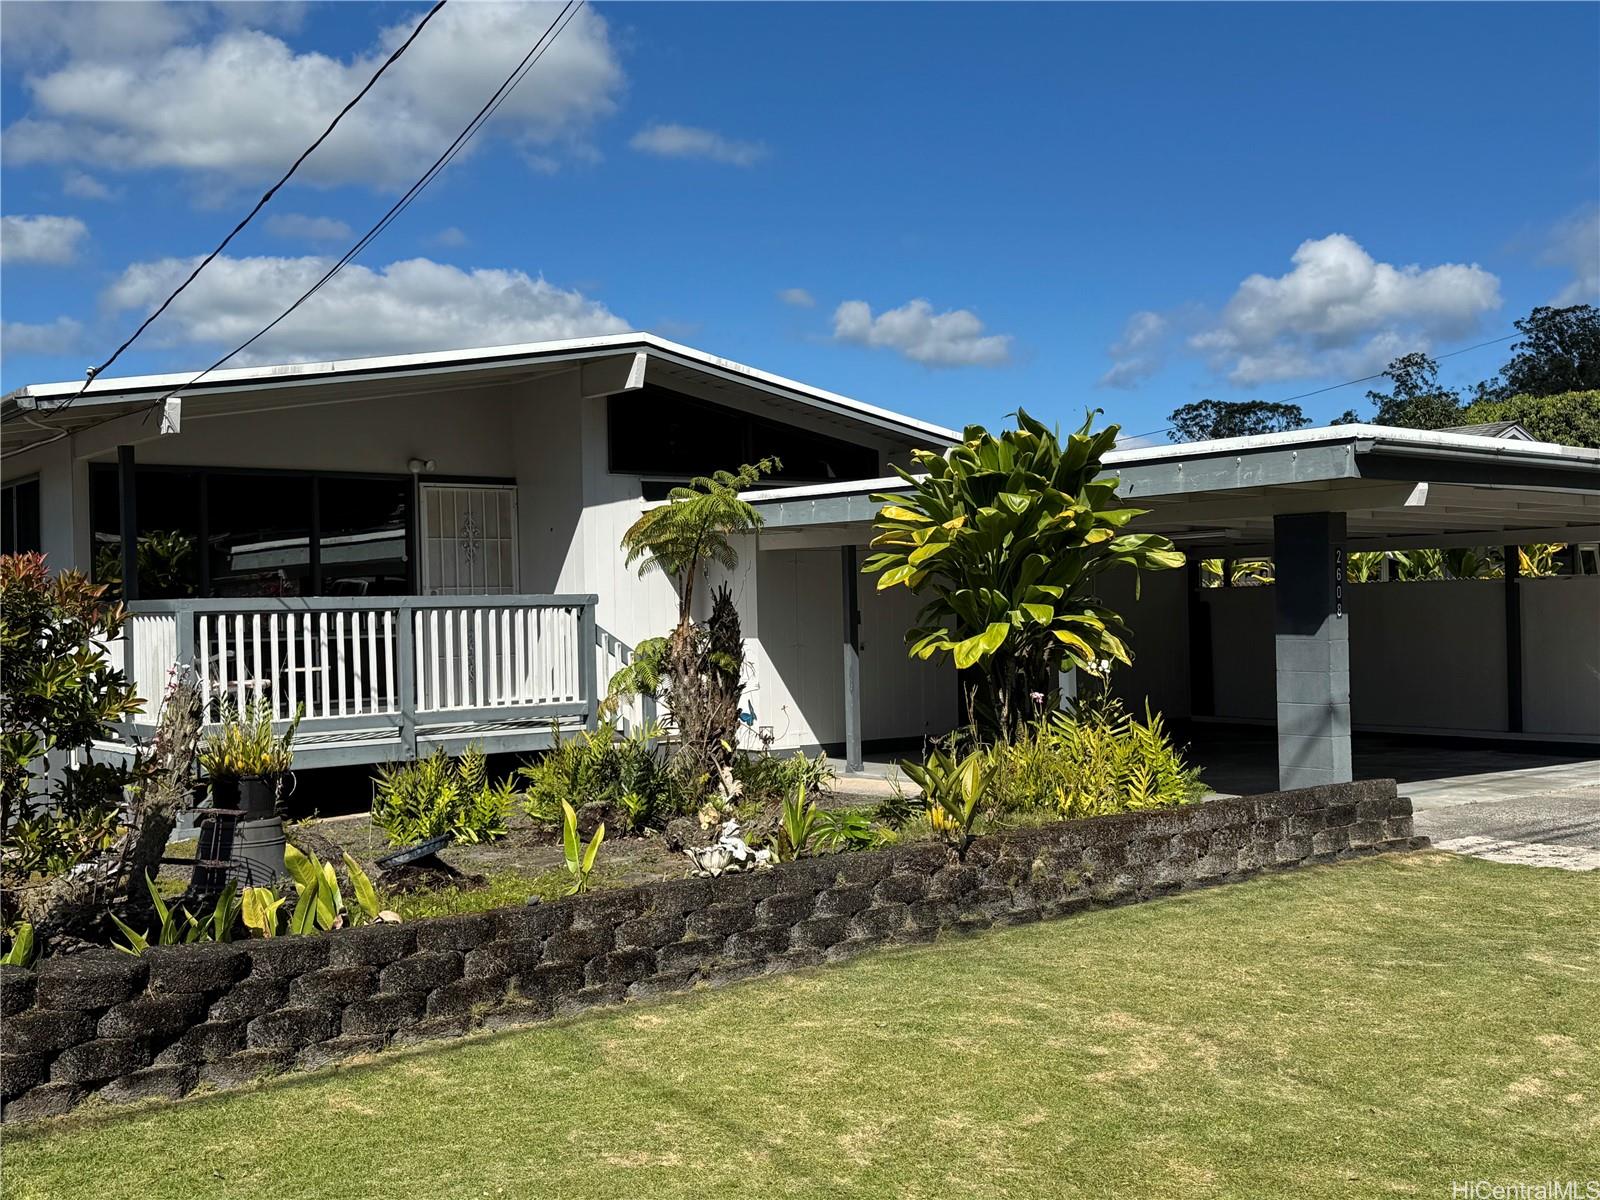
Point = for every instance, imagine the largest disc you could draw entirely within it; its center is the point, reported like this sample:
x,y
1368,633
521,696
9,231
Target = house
x,y
423,551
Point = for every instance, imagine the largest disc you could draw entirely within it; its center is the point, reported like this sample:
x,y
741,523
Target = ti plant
x,y
580,858
798,823
954,793
23,946
1005,537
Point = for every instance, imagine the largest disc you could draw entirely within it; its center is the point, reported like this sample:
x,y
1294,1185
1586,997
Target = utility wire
x,y
94,372
529,60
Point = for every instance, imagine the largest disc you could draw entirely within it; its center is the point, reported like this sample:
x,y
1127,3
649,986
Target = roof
x,y
1394,482
1499,429
35,402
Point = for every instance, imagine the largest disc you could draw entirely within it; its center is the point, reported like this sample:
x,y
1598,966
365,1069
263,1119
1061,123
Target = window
x,y
257,533
654,431
19,517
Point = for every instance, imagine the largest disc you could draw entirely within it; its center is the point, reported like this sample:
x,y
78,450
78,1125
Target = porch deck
x,y
383,679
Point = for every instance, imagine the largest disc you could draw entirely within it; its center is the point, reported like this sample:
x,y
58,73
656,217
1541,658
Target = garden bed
x,y
130,1028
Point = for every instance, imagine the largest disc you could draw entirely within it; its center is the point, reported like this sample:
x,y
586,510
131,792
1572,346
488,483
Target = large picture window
x,y
257,533
654,431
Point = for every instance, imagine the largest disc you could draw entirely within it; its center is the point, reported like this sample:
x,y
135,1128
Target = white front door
x,y
469,539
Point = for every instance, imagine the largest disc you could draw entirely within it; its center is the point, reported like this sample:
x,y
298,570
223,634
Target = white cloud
x,y
52,240
798,297
58,337
85,187
238,104
1136,355
1575,245
1339,309
450,237
300,227
414,305
948,339
687,141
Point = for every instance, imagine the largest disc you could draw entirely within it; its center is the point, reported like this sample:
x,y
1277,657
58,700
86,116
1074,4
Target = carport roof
x,y
1398,487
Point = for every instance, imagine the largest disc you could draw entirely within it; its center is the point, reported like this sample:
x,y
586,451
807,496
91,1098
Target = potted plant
x,y
246,761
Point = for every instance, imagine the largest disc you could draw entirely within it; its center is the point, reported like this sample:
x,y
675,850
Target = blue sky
x,y
945,209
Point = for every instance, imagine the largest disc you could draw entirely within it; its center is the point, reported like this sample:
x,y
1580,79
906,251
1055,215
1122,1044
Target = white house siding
x,y
798,676
1429,655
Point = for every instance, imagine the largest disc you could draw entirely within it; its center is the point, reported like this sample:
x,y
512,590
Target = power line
x,y
94,372
546,39
518,73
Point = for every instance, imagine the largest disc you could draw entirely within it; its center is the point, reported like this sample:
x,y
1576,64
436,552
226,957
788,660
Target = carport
x,y
1530,656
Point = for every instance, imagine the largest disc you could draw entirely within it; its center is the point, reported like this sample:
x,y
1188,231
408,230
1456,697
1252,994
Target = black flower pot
x,y
256,795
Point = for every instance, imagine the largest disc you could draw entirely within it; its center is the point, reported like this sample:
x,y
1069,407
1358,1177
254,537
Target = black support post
x,y
1512,574
128,501
1202,688
853,760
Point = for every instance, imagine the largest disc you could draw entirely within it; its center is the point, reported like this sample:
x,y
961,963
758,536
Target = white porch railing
x,y
357,664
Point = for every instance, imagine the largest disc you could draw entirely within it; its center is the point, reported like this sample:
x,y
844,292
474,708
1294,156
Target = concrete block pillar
x,y
1313,650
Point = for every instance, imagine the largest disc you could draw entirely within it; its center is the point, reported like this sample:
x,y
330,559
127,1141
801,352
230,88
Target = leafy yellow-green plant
x,y
580,859
23,947
178,925
1006,536
954,793
245,744
798,823
441,795
261,908
1094,761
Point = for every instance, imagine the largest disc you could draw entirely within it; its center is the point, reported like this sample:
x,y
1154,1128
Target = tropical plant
x,y
579,858
695,670
167,566
1008,535
850,829
439,795
23,947
260,909
245,746
1541,559
798,822
1242,572
954,792
59,692
176,924
320,903
603,766
1094,760
765,778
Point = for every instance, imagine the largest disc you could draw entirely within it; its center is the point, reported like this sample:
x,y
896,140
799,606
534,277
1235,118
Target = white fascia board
x,y
139,387
1490,447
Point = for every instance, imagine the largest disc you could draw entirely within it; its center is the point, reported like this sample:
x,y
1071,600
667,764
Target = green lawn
x,y
1376,1027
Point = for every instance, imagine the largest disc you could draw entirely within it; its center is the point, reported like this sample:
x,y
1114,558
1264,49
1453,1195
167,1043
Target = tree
x,y
1416,401
696,670
1207,419
1571,418
1006,536
1559,352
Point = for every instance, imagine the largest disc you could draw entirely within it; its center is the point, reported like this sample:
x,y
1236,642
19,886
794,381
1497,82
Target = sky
x,y
946,209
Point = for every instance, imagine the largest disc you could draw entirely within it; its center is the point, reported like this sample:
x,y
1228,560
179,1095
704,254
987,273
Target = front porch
x,y
383,679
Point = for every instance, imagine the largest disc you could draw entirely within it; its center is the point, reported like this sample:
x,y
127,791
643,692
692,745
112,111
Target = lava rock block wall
x,y
120,1028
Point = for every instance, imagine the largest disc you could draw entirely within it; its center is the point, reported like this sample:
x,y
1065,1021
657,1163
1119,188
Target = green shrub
x,y
767,779
59,692
441,795
1096,760
629,772
853,829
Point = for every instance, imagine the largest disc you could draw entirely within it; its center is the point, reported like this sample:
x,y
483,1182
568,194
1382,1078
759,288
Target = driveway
x,y
1535,828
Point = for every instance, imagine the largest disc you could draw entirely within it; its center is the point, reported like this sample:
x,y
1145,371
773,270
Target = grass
x,y
1385,1026
501,889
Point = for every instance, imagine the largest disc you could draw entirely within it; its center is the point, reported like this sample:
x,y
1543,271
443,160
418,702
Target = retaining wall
x,y
121,1028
